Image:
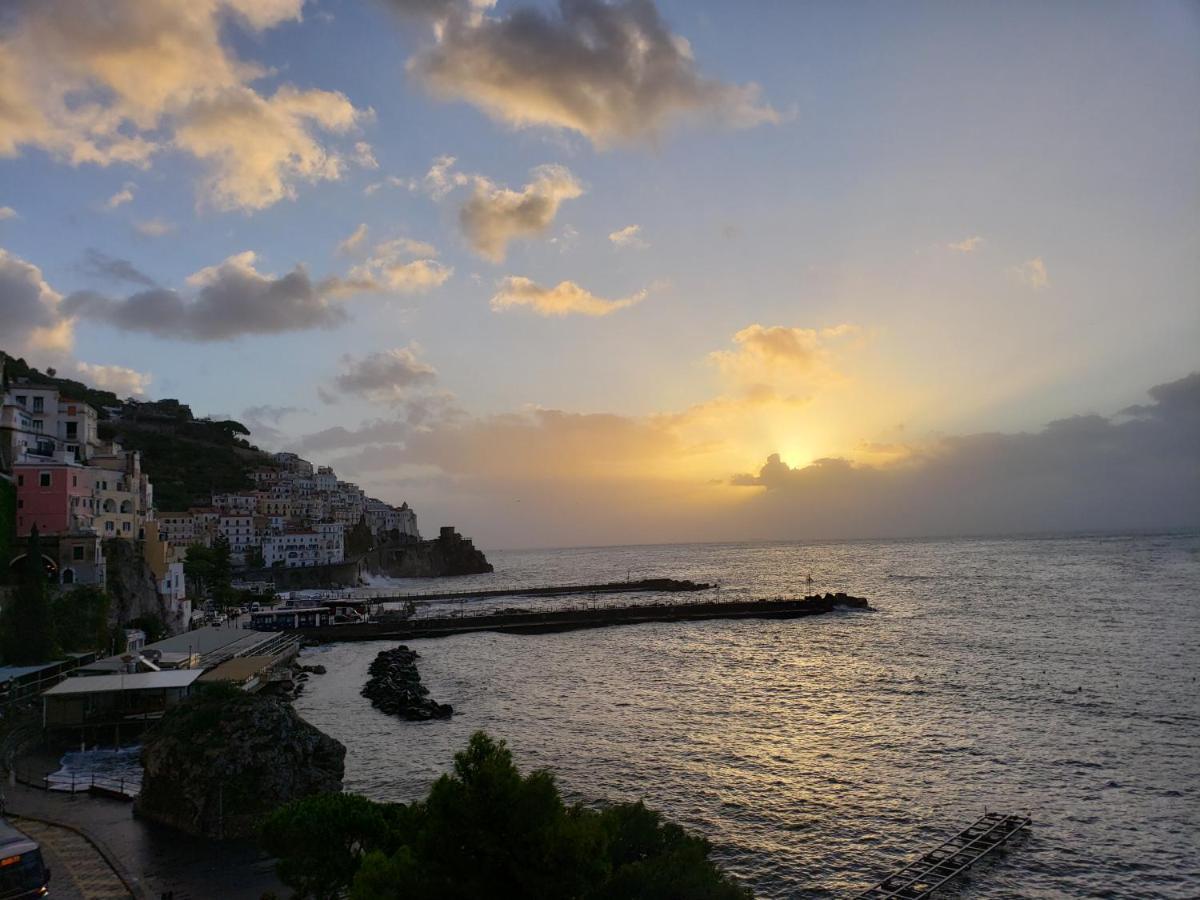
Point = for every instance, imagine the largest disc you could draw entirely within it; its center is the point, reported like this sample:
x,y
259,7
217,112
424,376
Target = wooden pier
x,y
541,621
950,859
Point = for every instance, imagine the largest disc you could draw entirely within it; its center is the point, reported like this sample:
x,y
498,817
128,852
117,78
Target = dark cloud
x,y
97,264
612,71
1137,470
231,299
387,377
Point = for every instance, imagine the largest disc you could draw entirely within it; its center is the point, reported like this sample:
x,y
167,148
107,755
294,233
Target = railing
x,y
77,782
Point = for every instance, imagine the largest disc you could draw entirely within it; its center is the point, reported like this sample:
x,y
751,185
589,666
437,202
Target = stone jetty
x,y
395,687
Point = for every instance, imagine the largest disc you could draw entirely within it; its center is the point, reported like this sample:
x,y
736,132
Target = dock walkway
x,y
948,860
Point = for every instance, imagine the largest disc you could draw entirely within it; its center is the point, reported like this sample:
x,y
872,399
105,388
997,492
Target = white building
x,y
292,549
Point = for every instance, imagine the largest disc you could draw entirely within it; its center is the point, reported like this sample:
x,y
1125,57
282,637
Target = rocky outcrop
x,y
220,762
130,583
395,688
450,554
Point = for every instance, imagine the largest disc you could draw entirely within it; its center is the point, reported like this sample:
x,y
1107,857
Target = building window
x,y
44,479
22,399
37,424
20,481
108,526
20,504
77,551
72,430
74,481
125,526
39,404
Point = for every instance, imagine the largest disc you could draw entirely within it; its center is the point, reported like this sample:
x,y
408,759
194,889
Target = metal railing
x,y
78,782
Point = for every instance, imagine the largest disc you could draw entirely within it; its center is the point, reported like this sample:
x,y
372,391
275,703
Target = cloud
x,y
30,308
259,148
126,80
1033,273
441,178
263,422
565,298
390,181
118,379
613,72
230,299
364,156
629,236
7,212
121,197
390,377
154,228
767,354
100,265
1081,473
493,216
351,244
391,267
268,413
966,245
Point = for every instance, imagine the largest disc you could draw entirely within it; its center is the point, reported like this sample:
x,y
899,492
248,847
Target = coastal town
x,y
79,491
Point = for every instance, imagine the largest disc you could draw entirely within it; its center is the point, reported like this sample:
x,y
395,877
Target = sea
x,y
1054,676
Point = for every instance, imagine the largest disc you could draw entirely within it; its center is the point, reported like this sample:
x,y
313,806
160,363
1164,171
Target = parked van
x,y
22,871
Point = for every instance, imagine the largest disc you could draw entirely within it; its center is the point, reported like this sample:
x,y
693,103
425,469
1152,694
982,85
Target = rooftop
x,y
140,681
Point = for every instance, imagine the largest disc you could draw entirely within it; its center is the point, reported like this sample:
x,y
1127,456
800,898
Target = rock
x,y
218,763
450,554
313,670
395,687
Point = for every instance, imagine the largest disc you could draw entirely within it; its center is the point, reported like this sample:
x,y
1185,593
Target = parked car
x,y
23,872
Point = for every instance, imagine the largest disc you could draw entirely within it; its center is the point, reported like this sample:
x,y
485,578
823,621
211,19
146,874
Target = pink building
x,y
54,495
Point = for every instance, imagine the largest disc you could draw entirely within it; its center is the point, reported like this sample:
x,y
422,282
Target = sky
x,y
602,273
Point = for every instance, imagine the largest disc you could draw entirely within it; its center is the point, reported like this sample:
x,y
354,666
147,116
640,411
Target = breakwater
x,y
643,585
574,618
395,687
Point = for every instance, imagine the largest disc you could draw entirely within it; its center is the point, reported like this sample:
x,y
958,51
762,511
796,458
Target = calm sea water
x,y
1055,676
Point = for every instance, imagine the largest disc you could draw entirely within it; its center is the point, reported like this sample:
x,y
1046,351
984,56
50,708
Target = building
x,y
55,495
292,549
104,700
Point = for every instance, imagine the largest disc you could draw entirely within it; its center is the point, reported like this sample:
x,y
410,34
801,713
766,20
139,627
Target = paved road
x,y
77,869
154,859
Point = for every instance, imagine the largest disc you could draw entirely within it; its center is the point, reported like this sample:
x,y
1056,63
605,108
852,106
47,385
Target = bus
x,y
22,871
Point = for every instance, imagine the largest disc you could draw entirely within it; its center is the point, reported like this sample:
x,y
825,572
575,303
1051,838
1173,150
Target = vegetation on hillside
x,y
488,831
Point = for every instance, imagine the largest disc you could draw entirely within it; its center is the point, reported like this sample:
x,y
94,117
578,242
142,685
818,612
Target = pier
x,y
574,618
950,859
642,585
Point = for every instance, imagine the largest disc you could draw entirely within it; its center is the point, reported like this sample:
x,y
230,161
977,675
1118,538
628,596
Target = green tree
x,y
222,573
80,619
321,840
198,568
26,630
486,830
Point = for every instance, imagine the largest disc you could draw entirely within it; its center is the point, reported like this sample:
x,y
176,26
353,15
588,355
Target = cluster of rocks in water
x,y
395,687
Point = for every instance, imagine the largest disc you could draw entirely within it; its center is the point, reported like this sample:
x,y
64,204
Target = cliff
x,y
132,585
219,763
450,554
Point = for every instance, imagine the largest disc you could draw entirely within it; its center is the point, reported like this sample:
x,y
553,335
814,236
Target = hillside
x,y
186,458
